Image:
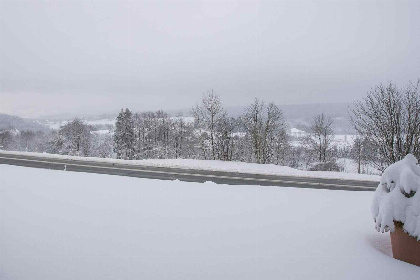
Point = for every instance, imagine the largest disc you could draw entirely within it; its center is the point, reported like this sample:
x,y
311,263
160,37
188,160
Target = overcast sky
x,y
99,56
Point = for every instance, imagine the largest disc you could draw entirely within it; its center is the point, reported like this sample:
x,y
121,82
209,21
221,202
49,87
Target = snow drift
x,y
397,197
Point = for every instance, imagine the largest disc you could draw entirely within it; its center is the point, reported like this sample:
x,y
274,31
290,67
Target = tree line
x,y
257,136
387,121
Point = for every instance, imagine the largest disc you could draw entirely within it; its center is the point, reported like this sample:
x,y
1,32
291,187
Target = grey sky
x,y
99,56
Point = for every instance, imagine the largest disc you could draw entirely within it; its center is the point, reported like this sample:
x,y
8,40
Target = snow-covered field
x,y
66,225
217,165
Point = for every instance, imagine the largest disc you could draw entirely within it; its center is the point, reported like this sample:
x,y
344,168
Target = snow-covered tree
x,y
321,137
282,147
102,145
31,141
389,119
183,138
124,140
225,127
164,134
73,138
206,115
6,140
265,131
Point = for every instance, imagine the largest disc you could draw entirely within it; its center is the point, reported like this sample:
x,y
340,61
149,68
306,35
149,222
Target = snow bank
x,y
397,197
68,225
215,165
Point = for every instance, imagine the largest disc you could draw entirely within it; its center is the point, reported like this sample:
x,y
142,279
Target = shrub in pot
x,y
396,208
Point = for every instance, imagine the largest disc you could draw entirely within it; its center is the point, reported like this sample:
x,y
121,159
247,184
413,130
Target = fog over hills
x,y
297,115
301,115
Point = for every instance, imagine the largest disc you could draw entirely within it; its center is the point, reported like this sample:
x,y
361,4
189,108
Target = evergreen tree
x,y
124,135
129,139
118,138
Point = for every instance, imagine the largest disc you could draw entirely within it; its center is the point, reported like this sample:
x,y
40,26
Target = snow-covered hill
x,y
14,123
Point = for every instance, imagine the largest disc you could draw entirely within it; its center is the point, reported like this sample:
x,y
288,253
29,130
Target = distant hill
x,y
8,122
70,116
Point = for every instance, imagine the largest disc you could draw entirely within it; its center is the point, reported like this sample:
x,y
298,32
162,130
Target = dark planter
x,y
404,247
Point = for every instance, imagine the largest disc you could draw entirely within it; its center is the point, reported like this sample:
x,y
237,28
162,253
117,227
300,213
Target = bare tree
x,y
253,122
359,152
389,118
321,136
273,136
264,127
163,134
282,147
207,115
224,132
180,135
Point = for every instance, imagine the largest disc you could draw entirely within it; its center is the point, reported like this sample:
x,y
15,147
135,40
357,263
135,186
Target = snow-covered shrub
x,y
397,197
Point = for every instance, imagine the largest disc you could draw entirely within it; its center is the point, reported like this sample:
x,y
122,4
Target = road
x,y
190,175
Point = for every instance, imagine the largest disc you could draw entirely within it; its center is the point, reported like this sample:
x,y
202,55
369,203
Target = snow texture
x,y
216,165
397,197
68,225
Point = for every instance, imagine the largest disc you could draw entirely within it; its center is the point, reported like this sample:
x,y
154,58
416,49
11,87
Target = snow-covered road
x,y
186,174
205,165
66,225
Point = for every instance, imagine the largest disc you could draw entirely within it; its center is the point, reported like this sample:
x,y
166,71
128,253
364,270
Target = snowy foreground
x,y
66,225
216,165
